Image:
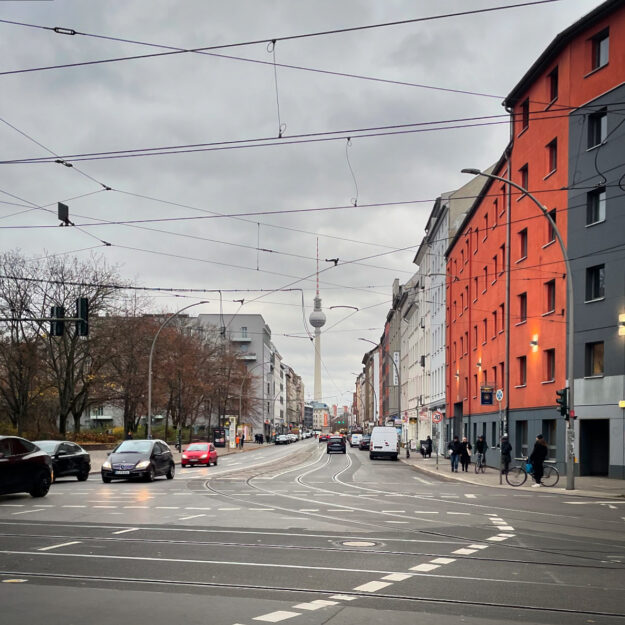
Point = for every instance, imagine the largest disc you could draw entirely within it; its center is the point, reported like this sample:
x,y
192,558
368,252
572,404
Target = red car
x,y
323,437
199,453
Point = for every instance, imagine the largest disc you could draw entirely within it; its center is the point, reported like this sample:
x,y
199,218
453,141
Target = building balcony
x,y
240,339
247,356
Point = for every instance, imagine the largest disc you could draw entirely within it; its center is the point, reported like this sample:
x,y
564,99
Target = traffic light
x,y
82,314
562,399
57,325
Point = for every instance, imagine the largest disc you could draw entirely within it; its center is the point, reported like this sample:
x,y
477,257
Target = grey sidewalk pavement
x,y
99,456
584,486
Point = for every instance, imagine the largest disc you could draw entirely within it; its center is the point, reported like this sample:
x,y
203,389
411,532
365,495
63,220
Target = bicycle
x,y
517,476
480,463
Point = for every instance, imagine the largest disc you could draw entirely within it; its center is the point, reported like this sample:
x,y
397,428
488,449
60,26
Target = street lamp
x,y
152,355
375,399
396,371
570,446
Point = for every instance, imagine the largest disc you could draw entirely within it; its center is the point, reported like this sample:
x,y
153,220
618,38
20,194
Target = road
x,y
291,534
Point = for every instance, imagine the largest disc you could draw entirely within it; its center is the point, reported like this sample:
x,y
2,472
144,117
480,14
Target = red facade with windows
x,y
583,62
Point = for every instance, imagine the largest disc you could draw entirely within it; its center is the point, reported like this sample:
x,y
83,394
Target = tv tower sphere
x,y
317,316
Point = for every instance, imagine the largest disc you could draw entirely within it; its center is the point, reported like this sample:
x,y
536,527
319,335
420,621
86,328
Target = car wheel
x,y
41,485
370,456
106,480
172,471
215,462
83,476
150,474
345,451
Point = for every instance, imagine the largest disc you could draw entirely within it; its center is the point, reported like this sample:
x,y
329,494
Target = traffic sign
x,y
499,395
437,417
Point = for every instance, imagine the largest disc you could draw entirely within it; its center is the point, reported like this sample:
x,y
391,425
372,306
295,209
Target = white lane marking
x,y
424,568
27,511
309,509
443,560
372,586
167,507
262,509
478,546
464,551
104,507
450,496
44,505
506,527
397,577
137,507
228,509
469,496
73,542
463,513
420,479
191,508
11,505
276,617
400,522
317,604
500,537
394,511
343,597
14,580
426,512
336,510
130,529
193,516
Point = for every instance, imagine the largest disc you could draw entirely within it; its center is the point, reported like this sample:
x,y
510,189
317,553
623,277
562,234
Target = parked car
x,y
24,468
134,459
365,441
199,453
336,444
354,440
67,459
282,439
384,443
292,437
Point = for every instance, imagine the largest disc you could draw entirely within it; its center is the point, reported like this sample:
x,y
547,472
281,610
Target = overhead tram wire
x,y
176,51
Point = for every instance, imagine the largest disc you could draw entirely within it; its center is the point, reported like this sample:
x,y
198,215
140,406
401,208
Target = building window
x,y
549,433
597,128
523,244
550,365
474,337
466,387
501,372
551,232
594,359
495,269
521,444
595,206
485,279
525,176
552,157
475,288
522,307
503,200
550,296
494,376
502,311
600,49
466,343
474,386
466,297
502,258
522,366
461,345
243,332
485,227
595,282
553,85
525,114
485,328
494,316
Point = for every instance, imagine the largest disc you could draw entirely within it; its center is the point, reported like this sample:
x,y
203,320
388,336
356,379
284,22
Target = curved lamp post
x,y
152,355
570,447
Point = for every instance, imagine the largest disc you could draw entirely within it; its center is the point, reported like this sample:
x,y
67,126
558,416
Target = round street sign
x,y
437,417
499,394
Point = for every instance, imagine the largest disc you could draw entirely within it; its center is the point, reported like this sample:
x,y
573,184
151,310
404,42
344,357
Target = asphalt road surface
x,y
291,534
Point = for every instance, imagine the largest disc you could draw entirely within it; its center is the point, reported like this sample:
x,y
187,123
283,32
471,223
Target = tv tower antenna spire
x,y
317,320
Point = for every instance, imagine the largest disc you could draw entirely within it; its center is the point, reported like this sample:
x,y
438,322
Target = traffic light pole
x,y
570,305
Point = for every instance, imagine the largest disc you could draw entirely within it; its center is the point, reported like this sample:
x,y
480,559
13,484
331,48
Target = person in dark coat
x,y
465,453
506,454
537,458
481,447
428,447
454,448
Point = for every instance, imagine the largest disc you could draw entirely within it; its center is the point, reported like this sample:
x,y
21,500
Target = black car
x,y
24,468
365,441
143,459
67,458
337,443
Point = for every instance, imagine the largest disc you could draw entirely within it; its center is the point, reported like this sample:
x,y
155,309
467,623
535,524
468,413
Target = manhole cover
x,y
358,543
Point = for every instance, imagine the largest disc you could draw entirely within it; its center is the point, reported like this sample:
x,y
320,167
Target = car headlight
x,y
106,464
203,456
184,456
144,464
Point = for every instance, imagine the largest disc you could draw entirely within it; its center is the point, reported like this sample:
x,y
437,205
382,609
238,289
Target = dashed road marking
x,y
397,577
193,516
469,496
27,511
130,529
72,542
317,604
424,568
443,560
478,546
343,597
372,586
464,551
276,617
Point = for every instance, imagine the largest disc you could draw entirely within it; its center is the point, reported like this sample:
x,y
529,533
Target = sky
x,y
212,227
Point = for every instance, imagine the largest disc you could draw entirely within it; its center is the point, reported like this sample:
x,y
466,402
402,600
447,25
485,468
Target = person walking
x,y
242,439
465,453
428,447
506,454
481,447
454,448
537,458
237,441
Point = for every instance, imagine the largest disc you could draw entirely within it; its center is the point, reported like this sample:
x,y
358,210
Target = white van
x,y
384,443
354,440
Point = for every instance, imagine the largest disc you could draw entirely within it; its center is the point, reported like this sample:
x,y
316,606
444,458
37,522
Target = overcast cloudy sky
x,y
197,99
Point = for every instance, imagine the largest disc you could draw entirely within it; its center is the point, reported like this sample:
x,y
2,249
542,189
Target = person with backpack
x,y
537,458
454,448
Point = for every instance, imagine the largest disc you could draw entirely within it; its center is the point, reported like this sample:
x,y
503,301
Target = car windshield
x,y
336,438
47,446
134,447
198,447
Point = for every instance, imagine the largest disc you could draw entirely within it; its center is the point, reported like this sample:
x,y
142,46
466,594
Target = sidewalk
x,y
100,455
584,486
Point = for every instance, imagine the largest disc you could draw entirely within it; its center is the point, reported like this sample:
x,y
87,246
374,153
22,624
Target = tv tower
x,y
317,321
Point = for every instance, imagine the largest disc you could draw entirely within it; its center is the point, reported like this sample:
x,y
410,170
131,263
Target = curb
x,y
555,491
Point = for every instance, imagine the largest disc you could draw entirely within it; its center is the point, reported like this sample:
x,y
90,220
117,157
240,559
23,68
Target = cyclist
x,y
480,447
537,458
506,453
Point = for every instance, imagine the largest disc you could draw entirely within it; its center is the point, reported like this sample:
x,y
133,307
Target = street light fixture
x,y
152,355
570,447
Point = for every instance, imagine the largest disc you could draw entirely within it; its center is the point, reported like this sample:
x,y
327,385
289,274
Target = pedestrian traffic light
x,y
57,325
82,314
562,399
